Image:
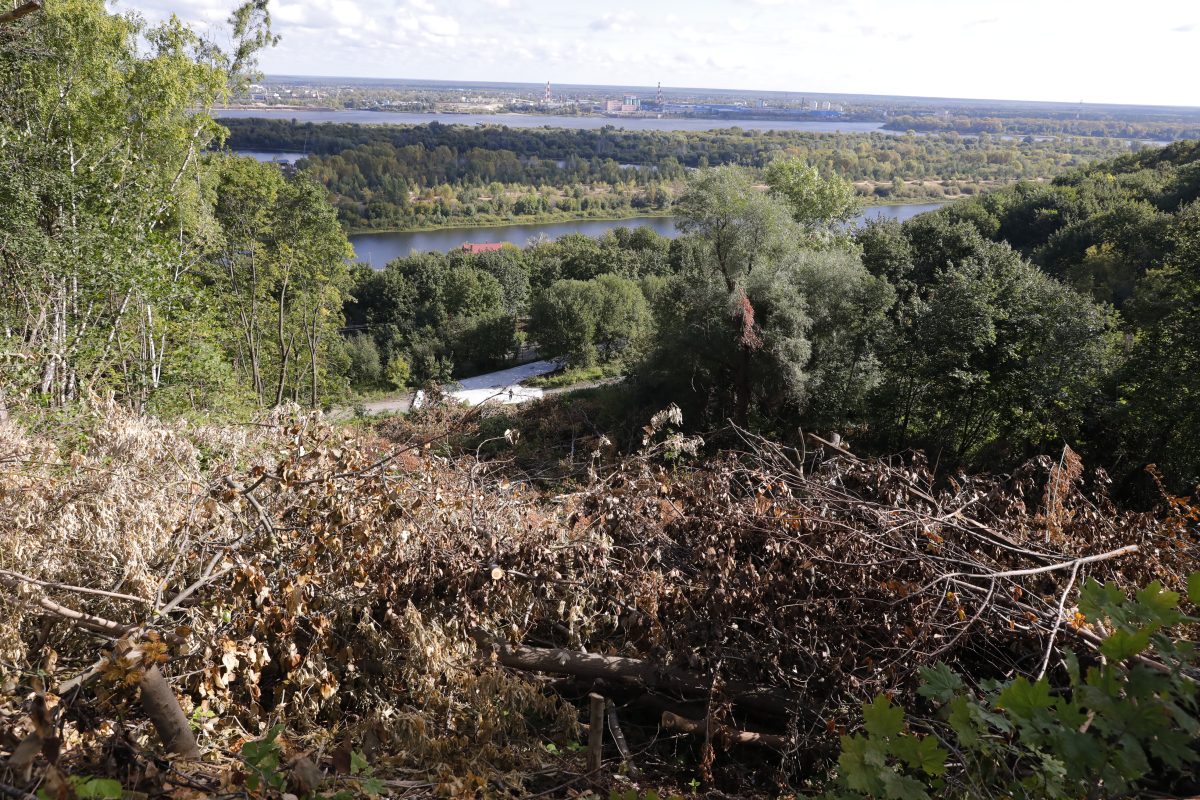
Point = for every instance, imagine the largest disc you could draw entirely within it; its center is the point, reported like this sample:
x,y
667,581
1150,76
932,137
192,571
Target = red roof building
x,y
482,247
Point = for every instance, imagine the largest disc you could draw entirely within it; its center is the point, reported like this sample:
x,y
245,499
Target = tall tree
x,y
102,221
817,202
754,323
280,276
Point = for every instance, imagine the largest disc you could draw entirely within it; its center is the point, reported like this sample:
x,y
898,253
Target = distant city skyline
x,y
1065,51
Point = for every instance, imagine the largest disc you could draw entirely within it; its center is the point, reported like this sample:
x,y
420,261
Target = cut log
x,y
595,754
162,707
630,670
674,722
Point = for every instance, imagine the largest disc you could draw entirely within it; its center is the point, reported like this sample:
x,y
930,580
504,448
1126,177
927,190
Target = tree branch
x,y
23,10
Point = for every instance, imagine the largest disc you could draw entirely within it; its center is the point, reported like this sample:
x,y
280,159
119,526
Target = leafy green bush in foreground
x,y
1124,723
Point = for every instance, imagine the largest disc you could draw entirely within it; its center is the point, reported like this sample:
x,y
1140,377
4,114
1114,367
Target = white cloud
x,y
439,25
916,47
613,21
346,12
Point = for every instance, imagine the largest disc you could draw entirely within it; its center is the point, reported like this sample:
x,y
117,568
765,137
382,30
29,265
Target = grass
x,y
573,375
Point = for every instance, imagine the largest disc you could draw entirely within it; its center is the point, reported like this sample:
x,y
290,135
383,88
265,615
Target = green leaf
x,y
1098,601
921,753
932,756
902,787
1022,698
962,722
98,789
882,718
1158,605
359,765
940,683
1122,644
372,786
861,762
1193,588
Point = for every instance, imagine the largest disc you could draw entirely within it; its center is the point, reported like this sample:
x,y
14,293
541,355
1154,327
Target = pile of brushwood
x,y
293,607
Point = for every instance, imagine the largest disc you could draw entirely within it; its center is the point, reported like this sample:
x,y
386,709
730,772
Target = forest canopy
x,y
428,175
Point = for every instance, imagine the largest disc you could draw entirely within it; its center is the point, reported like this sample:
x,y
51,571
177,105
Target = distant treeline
x,y
1041,126
429,175
1003,326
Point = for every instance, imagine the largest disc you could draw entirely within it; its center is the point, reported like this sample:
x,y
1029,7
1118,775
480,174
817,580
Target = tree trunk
x,y
284,348
162,707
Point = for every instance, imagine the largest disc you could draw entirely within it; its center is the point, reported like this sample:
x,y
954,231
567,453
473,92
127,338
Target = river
x,y
377,249
543,120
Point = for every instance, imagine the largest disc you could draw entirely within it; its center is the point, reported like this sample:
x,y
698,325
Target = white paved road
x,y
499,387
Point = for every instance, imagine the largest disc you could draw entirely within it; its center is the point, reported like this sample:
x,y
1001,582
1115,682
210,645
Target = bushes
x,y
1119,724
365,366
588,321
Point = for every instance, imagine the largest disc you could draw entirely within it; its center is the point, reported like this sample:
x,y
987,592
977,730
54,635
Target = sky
x,y
1096,51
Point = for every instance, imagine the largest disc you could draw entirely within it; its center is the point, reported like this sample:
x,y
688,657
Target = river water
x,y
543,120
377,249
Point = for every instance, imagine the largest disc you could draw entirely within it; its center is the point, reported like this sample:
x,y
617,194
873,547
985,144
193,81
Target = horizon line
x,y
798,93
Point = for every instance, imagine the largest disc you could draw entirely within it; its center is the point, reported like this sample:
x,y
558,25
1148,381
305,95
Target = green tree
x,y
978,361
817,202
1158,415
279,267
755,323
588,321
102,217
365,365
562,320
738,227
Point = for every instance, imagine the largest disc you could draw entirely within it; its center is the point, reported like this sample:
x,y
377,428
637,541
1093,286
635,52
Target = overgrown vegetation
x,y
398,596
847,466
134,264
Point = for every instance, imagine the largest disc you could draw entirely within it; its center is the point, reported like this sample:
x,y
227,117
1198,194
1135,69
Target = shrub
x,y
365,368
1123,723
398,372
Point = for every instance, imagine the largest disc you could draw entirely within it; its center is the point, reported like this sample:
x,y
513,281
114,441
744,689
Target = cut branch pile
x,y
445,616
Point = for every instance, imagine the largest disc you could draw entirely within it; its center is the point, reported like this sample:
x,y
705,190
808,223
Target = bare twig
x,y
77,589
1062,602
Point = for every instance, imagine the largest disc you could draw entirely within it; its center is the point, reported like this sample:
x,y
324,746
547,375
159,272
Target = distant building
x,y
482,247
631,104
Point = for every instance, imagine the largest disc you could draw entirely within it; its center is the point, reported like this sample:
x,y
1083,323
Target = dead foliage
x,y
442,615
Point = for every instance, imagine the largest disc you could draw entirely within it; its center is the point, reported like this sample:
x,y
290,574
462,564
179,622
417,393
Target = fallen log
x,y
674,722
158,700
646,674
